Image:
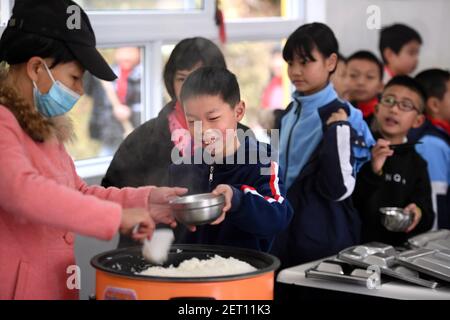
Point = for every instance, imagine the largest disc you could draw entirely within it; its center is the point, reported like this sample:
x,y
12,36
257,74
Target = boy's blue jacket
x,y
435,149
320,163
259,208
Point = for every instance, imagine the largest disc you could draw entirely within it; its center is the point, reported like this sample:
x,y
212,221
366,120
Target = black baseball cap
x,y
62,20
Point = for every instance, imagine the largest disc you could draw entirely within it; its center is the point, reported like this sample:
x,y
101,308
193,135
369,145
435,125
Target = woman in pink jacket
x,y
43,201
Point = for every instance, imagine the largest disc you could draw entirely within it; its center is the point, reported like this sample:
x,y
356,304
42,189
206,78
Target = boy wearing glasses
x,y
397,176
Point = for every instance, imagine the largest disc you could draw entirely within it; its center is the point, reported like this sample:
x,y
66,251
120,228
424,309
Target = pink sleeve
x,y
126,197
26,193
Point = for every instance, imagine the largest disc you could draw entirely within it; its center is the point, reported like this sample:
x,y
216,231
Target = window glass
x,y
236,9
98,5
108,111
262,76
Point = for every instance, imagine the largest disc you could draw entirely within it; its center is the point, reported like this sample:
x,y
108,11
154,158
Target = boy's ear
x,y
239,110
376,108
332,62
433,105
388,54
420,119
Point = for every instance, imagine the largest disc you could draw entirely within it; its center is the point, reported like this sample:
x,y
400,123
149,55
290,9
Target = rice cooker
x,y
118,278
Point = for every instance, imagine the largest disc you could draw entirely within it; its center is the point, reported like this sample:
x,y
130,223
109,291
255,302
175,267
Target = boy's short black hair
x,y
368,56
411,84
395,37
212,81
307,37
434,81
187,54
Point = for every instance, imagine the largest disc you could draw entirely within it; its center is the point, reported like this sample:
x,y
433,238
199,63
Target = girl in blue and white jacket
x,y
323,143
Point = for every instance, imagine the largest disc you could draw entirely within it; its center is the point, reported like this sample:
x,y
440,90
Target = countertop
x,y
392,289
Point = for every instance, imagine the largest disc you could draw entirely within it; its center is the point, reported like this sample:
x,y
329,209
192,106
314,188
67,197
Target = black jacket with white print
x,y
404,180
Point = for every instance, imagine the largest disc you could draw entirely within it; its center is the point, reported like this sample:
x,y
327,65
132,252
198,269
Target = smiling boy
x,y
235,166
399,177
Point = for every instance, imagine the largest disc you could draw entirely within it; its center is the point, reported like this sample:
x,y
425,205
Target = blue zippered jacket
x,y
320,163
259,209
435,149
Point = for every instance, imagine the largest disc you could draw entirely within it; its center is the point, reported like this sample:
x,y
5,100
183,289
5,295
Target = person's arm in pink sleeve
x,y
27,194
126,197
155,200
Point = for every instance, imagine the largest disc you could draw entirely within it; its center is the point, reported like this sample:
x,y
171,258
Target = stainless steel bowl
x,y
395,219
198,209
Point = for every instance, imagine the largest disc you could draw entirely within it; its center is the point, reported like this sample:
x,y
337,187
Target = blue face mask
x,y
59,100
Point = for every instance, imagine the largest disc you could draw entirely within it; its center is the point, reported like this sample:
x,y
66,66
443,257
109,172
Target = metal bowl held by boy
x,y
395,219
198,209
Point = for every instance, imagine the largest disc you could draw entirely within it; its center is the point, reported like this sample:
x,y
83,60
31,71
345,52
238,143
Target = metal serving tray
x,y
439,239
384,256
435,263
338,271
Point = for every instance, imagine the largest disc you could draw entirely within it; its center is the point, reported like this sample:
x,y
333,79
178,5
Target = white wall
x,y
430,18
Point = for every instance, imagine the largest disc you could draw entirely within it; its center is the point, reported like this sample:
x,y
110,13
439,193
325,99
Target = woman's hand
x,y
228,193
158,204
415,210
137,217
380,152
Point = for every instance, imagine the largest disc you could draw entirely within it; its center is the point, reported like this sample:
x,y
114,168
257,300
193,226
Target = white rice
x,y
215,266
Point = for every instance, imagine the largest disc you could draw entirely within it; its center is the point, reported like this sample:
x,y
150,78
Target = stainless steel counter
x,y
392,289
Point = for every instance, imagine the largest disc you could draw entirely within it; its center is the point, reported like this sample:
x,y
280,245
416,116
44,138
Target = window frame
x,y
6,7
153,29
